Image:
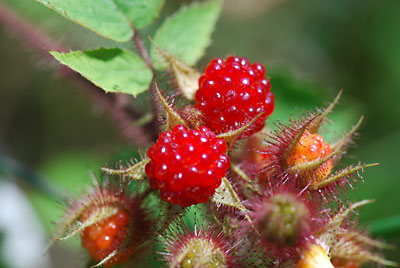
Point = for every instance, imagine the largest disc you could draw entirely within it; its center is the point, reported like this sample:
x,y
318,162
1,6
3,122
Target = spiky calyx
x,y
283,218
347,246
201,253
352,248
203,248
298,155
113,225
284,222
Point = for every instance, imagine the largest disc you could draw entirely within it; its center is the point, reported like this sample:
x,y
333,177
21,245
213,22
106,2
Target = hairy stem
x,y
143,52
40,43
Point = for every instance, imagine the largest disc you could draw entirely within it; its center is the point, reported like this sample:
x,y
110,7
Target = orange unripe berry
x,y
312,147
102,238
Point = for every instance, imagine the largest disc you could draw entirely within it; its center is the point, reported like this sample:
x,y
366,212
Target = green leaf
x,y
186,34
140,12
101,16
112,69
389,226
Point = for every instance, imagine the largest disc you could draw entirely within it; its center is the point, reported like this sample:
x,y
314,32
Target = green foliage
x,y
140,12
114,70
387,227
186,34
295,96
66,171
101,16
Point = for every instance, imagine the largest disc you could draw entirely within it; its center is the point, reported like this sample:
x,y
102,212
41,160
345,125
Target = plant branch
x,y
143,52
33,37
39,42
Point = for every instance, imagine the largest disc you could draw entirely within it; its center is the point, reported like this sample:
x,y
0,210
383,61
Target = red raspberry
x,y
232,92
102,238
187,165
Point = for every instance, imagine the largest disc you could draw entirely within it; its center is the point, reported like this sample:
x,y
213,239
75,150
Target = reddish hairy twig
x,y
40,43
143,52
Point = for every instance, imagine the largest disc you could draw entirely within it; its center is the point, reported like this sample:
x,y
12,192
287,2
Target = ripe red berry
x,y
187,165
103,237
233,92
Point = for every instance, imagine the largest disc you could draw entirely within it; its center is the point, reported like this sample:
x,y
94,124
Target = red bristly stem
x,y
40,43
143,52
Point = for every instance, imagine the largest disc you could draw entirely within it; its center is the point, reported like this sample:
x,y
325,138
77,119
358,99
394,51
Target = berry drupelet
x,y
187,165
232,92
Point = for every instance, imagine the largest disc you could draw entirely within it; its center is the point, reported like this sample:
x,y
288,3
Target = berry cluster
x,y
279,193
187,165
232,92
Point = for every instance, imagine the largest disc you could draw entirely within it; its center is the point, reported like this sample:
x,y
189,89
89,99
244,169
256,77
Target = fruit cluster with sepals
x,y
284,222
114,225
273,203
204,247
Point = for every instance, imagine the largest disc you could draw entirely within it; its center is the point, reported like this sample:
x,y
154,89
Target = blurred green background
x,y
311,50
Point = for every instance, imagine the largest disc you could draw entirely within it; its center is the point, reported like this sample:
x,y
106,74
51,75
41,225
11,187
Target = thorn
x,y
314,127
340,144
186,77
312,164
232,136
173,118
111,255
298,136
135,171
340,175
